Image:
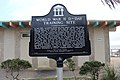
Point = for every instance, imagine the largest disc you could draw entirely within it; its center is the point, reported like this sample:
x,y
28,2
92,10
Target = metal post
x,y
60,68
59,61
60,73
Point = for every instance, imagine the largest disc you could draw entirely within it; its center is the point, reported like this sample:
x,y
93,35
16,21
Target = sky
x,y
94,9
115,39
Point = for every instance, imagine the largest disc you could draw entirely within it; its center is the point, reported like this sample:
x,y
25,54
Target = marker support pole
x,y
59,68
59,61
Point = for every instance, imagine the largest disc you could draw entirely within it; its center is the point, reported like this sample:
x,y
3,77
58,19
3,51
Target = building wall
x,y
13,45
9,44
100,48
1,44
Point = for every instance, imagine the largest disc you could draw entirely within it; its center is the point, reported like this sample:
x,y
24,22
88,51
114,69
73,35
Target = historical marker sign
x,y
59,33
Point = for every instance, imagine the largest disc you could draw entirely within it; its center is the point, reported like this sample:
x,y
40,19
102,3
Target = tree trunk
x,y
74,75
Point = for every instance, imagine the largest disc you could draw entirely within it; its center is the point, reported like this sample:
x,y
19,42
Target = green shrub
x,y
110,73
71,65
15,67
92,68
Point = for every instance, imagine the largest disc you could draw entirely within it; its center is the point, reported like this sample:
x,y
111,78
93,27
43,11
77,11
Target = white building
x,y
15,37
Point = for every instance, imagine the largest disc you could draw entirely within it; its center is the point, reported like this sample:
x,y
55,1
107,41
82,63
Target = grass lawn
x,y
51,79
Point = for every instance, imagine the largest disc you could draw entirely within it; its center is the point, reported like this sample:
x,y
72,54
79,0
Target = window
x,y
25,35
